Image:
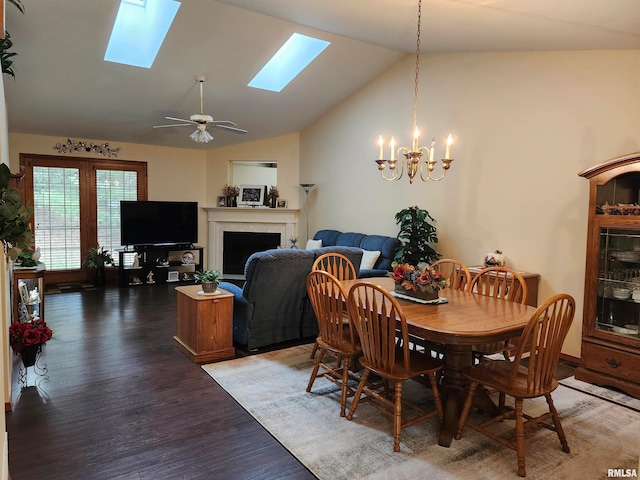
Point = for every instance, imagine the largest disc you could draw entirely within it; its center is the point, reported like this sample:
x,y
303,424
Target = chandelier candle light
x,y
413,158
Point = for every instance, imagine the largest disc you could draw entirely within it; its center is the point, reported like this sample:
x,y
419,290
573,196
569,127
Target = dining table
x,y
463,320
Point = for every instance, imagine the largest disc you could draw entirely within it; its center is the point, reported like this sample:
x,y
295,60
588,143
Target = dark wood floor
x,y
122,402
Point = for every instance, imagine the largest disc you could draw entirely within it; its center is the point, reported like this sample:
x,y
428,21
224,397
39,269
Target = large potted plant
x,y
97,258
210,279
15,233
417,234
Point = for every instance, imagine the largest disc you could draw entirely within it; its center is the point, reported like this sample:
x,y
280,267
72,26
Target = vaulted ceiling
x,y
64,88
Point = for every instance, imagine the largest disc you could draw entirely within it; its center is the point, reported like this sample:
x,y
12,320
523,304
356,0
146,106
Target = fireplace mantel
x,y
265,220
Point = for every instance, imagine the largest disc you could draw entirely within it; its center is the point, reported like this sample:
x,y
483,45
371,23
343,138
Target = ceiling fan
x,y
201,120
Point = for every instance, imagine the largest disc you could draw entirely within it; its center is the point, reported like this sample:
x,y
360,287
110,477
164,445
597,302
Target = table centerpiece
x,y
418,281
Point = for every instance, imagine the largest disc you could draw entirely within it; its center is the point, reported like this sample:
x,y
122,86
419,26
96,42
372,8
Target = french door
x,y
76,206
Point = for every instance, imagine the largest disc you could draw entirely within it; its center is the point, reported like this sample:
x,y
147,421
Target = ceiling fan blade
x,y
179,119
173,125
241,131
222,122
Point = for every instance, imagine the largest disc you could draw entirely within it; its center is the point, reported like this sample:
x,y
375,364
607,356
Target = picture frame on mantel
x,y
281,204
222,201
251,195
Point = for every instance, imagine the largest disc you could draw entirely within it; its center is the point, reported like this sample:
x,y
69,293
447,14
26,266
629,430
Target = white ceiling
x,y
64,88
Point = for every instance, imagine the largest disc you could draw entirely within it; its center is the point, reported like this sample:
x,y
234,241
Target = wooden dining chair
x,y
545,332
503,283
455,271
376,316
336,338
337,265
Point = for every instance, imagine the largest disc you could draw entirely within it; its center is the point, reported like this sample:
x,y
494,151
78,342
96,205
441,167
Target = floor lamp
x,y
307,188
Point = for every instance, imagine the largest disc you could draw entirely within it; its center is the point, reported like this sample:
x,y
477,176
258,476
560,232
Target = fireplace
x,y
238,247
279,221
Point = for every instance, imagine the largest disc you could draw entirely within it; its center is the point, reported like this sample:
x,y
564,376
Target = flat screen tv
x,y
151,222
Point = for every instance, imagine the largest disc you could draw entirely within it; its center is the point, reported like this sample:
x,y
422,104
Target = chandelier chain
x,y
415,91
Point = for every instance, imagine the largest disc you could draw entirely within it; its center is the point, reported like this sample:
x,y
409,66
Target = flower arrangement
x,y
27,334
420,278
231,190
273,193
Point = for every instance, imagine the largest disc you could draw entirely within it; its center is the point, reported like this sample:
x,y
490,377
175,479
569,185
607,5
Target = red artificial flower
x,y
398,273
32,337
25,334
424,278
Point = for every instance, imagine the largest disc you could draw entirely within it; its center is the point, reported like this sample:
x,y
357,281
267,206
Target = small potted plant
x,y
210,279
97,258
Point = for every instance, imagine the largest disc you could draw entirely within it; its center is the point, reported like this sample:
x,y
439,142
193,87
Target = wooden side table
x,y
531,279
204,324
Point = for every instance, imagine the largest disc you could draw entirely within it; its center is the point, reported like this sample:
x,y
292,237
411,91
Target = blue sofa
x,y
387,247
272,306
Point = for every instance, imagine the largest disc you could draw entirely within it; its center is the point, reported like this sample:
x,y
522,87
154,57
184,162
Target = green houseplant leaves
x,y
417,233
15,233
6,57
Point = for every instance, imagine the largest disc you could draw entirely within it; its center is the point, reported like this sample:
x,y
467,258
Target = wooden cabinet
x,y
204,324
611,312
530,279
158,264
28,293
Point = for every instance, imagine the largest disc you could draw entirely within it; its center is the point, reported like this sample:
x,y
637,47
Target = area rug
x,y
609,394
54,288
271,387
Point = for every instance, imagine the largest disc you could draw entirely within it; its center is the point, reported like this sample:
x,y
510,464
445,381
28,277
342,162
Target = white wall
x,y
525,125
6,355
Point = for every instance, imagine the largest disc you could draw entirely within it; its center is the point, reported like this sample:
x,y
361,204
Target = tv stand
x,y
163,263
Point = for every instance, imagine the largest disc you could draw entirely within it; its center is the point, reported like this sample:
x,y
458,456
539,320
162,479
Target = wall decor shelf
x,y
611,314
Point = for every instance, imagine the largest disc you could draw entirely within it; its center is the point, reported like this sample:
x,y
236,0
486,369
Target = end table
x,y
204,324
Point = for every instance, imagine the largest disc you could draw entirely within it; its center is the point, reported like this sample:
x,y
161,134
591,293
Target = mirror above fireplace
x,y
258,172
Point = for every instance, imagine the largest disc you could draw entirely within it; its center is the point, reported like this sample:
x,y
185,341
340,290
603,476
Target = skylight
x,y
139,31
296,53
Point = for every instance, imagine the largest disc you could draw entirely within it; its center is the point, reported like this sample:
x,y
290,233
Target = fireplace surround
x,y
251,220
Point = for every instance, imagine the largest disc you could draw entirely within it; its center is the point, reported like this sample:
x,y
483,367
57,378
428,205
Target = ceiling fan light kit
x,y
202,120
201,135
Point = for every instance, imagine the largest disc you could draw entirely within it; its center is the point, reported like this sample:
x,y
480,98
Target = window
x,y
77,205
111,187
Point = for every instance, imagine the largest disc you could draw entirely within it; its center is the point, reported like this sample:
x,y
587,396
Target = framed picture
x,y
173,276
282,204
222,201
251,195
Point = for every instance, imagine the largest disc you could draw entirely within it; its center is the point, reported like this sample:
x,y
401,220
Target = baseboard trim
x,y
570,358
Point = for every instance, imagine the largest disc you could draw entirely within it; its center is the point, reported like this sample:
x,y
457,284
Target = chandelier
x,y
413,159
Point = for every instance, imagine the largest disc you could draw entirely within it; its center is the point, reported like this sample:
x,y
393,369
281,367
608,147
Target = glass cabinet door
x,y
618,303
